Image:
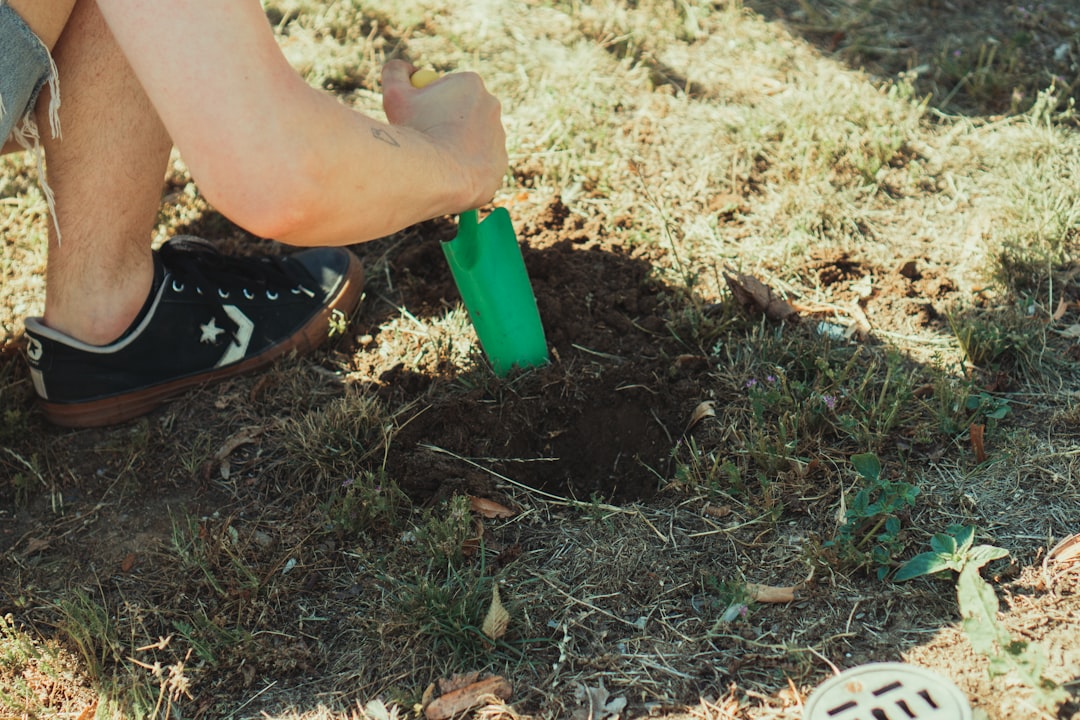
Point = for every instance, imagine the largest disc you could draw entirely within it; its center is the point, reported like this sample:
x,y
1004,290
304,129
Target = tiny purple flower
x,y
830,401
770,379
751,382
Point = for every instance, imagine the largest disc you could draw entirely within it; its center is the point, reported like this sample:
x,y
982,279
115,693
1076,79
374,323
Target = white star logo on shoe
x,y
210,332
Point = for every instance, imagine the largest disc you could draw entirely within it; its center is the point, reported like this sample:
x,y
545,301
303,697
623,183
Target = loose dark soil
x,y
600,420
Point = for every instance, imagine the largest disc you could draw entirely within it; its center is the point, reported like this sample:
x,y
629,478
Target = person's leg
x,y
207,317
26,60
106,171
45,17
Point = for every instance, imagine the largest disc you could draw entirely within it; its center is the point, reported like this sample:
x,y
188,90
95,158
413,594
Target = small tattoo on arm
x,y
383,136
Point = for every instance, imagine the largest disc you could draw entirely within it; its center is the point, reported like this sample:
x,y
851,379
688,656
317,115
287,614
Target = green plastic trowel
x,y
485,260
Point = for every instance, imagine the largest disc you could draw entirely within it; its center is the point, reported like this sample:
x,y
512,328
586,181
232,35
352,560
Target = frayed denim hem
x,y
26,66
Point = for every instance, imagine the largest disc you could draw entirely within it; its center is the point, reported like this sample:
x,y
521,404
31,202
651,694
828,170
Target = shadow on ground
x,y
969,57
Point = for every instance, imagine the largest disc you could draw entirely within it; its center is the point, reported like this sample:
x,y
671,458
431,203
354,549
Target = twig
x,y
585,603
546,496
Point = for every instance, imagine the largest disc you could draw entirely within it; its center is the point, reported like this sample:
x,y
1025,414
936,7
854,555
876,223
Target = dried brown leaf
x,y
471,696
456,682
597,705
771,594
489,508
243,437
758,298
719,511
1062,308
1066,551
977,431
470,546
704,409
497,619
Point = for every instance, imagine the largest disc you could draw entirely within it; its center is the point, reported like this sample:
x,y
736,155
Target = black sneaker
x,y
209,317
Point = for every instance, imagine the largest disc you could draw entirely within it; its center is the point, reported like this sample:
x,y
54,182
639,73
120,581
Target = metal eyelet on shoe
x,y
271,295
222,294
178,287
248,294
301,289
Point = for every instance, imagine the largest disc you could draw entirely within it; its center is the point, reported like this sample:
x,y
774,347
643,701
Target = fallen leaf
x,y
757,297
977,432
1066,551
127,563
456,682
497,618
221,457
470,546
489,508
771,594
597,706
717,512
1062,308
377,710
458,701
88,712
705,409
1073,331
243,437
36,545
691,363
862,323
923,391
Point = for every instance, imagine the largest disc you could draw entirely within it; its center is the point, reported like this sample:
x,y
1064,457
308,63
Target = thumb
x,y
397,90
396,74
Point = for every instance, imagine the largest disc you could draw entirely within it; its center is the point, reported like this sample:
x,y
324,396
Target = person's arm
x,y
287,161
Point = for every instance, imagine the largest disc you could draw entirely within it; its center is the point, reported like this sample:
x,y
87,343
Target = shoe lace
x,y
196,262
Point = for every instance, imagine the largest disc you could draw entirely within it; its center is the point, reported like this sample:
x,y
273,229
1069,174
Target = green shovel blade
x,y
487,266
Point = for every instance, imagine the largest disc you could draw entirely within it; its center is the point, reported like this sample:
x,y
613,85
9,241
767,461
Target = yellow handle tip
x,y
423,77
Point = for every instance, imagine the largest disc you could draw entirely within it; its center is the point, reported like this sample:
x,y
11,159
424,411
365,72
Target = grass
x,y
305,542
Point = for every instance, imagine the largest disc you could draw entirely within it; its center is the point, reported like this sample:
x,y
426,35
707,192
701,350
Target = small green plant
x,y
17,652
711,470
339,323
445,530
787,412
369,503
987,408
987,73
89,627
730,597
963,404
955,551
447,614
870,535
1005,339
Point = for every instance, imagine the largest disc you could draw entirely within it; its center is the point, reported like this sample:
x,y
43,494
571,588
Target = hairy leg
x,y
107,172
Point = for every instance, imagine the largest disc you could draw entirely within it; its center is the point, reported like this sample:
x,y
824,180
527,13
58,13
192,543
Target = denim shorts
x,y
25,67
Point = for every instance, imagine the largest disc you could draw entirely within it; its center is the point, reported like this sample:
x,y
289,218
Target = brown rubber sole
x,y
120,408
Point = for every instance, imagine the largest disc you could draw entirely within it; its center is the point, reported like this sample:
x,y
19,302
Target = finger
x,y
397,73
